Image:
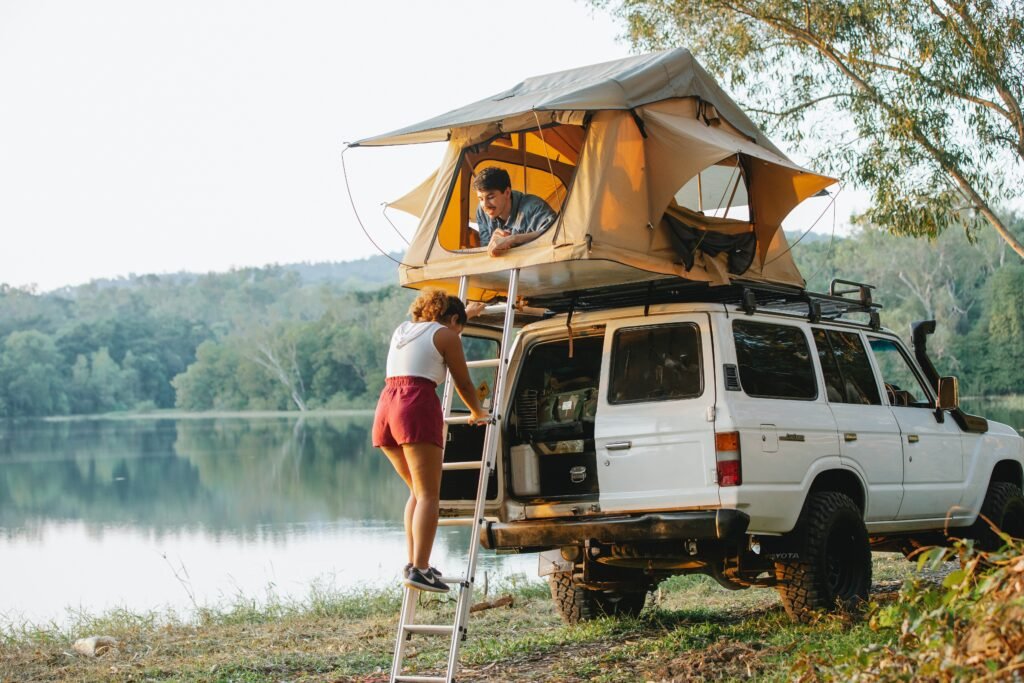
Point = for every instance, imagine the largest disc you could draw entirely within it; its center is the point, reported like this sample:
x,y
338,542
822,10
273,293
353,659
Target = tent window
x,y
540,163
719,190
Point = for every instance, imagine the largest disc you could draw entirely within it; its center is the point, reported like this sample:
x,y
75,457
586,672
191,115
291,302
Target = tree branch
x,y
916,134
932,83
800,107
981,56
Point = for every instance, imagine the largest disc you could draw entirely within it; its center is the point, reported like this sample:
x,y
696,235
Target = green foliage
x,y
335,361
969,628
1002,332
918,101
967,287
272,338
30,375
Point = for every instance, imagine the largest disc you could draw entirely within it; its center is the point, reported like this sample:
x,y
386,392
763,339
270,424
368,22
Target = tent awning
x,y
618,85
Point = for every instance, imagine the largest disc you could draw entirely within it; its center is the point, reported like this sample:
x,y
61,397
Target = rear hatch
x,y
655,435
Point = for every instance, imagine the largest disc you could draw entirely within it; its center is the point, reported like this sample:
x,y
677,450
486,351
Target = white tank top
x,y
413,353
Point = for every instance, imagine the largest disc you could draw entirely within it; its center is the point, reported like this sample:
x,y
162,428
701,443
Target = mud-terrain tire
x,y
1004,507
833,569
576,604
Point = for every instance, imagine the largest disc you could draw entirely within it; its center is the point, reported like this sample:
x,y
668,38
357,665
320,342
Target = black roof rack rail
x,y
862,290
748,296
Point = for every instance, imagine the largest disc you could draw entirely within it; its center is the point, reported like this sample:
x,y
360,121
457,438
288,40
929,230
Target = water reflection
x,y
220,474
238,505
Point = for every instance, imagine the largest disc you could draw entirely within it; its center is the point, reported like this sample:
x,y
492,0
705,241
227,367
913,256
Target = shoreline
x,y
173,414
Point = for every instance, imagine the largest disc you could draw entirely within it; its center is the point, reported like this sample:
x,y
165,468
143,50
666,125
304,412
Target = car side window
x,y
902,385
846,368
655,363
774,361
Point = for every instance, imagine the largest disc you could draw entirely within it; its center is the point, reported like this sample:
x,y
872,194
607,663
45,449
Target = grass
x,y
691,630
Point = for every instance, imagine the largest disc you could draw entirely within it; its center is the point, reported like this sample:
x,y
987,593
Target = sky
x,y
202,135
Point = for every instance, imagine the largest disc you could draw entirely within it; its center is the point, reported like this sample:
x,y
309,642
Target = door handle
x,y
849,436
913,438
791,437
619,445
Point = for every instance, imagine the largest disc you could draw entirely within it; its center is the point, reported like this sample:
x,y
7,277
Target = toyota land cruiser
x,y
761,436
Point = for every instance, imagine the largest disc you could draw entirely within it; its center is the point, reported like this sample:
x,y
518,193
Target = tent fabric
x,y
652,124
617,85
413,201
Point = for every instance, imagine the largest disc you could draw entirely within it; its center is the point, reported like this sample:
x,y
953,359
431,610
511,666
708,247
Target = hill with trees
x,y
311,336
118,344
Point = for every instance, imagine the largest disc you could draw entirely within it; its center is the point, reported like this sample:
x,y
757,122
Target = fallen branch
x,y
505,601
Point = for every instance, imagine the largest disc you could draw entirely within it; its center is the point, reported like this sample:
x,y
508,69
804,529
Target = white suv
x,y
754,434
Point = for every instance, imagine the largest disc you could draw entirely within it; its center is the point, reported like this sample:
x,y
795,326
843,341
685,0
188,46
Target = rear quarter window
x,y
846,369
656,363
774,361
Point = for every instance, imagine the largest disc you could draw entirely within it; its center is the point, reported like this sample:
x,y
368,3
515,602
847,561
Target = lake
x,y
150,513
153,513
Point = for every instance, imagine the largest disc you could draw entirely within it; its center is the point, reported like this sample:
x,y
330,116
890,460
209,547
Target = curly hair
x,y
434,305
492,178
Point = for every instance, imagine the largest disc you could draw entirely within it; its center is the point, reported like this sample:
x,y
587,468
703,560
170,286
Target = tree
x,y
31,380
276,350
210,382
998,351
931,89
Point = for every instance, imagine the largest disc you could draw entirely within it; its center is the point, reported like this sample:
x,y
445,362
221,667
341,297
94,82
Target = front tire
x,y
833,568
577,604
1004,507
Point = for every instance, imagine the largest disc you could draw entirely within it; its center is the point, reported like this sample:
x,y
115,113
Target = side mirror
x,y
949,393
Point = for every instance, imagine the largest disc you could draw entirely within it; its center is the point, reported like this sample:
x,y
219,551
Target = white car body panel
x,y
662,454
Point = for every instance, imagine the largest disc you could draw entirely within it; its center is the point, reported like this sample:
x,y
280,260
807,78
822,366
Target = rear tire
x,y
1004,507
833,570
577,604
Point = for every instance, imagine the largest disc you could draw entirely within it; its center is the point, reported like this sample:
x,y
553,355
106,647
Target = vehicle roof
x,y
603,316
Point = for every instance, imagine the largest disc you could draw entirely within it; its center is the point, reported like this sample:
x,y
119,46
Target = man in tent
x,y
507,217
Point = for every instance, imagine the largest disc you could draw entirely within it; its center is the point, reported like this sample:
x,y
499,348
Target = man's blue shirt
x,y
529,213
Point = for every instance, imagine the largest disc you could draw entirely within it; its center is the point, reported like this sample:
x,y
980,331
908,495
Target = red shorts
x,y
408,412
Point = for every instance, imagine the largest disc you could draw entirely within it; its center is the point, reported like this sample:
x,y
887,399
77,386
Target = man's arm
x,y
503,241
536,217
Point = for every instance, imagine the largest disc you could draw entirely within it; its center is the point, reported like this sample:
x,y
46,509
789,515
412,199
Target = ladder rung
x,y
456,521
468,465
455,580
421,679
429,629
486,363
457,420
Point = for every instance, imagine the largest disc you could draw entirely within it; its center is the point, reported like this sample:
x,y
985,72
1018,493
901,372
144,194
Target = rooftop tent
x,y
653,170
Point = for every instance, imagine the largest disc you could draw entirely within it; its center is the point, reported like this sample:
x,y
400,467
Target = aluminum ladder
x,y
457,631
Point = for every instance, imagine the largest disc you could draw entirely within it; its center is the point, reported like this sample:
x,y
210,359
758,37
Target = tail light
x,y
727,459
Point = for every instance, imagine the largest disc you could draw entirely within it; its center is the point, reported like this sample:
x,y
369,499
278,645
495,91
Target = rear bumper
x,y
725,525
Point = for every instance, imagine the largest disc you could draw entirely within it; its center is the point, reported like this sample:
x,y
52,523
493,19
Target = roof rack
x,y
748,296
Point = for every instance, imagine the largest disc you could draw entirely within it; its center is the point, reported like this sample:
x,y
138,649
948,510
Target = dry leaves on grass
x,y
724,660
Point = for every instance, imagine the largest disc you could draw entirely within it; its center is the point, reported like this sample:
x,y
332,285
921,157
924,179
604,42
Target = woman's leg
x,y
424,462
397,457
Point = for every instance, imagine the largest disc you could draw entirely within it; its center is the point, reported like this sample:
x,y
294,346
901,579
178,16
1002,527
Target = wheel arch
x,y
1008,471
840,481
